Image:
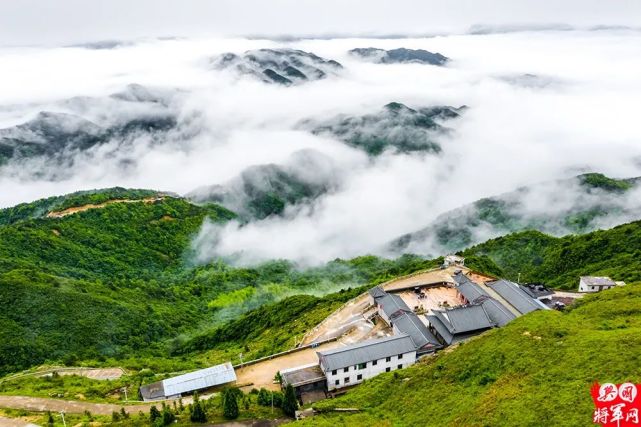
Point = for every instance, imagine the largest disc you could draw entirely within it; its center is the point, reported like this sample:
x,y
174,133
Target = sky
x,y
74,21
543,105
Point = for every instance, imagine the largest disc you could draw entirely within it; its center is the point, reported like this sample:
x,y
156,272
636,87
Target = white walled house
x,y
350,365
595,284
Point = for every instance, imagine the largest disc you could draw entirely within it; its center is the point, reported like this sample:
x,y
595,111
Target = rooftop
x,y
515,296
203,378
365,351
597,281
302,375
377,292
497,312
464,319
392,305
536,290
410,324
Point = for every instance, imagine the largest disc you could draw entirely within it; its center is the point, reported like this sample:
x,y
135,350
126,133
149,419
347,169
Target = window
x,y
362,365
400,356
359,377
388,359
346,380
346,369
387,369
400,366
337,382
334,372
375,362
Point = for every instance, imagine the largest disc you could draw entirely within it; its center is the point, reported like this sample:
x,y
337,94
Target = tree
x,y
49,419
230,405
290,403
198,414
154,414
264,397
115,417
168,416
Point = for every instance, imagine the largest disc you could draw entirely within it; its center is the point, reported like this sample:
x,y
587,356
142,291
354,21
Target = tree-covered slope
x,y
116,240
578,205
117,282
560,261
536,371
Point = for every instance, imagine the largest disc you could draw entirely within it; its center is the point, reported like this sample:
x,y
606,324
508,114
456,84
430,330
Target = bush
x,y
290,403
230,404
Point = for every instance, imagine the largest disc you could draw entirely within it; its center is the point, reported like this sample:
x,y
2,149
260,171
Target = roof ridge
x,y
364,343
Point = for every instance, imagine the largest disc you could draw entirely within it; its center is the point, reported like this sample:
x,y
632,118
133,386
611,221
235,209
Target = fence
x,y
283,353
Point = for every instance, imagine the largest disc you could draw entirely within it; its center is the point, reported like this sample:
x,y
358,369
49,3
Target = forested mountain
x,y
395,127
399,56
585,203
111,274
280,66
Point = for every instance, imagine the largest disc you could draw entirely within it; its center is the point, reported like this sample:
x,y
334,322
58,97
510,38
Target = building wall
x,y
368,371
584,287
383,315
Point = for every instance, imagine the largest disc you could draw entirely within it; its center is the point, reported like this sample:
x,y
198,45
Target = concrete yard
x,y
262,374
435,298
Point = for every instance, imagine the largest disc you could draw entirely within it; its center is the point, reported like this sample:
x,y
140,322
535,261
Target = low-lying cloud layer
x,y
542,106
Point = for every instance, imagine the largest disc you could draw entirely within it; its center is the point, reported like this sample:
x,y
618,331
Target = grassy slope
x,y
560,261
114,285
535,371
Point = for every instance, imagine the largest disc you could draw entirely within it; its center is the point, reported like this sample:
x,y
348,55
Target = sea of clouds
x,y
543,105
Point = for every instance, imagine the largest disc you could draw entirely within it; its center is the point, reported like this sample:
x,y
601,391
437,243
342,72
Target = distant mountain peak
x,y
281,66
399,56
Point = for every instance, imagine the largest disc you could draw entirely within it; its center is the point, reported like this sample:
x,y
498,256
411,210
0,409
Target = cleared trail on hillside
x,y
76,209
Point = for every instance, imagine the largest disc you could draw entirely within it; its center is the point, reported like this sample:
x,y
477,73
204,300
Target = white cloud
x,y
511,135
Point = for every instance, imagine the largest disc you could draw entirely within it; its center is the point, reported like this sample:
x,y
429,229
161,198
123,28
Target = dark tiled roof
x,y
440,328
515,296
377,292
302,375
392,305
497,312
536,290
410,324
365,351
153,391
464,319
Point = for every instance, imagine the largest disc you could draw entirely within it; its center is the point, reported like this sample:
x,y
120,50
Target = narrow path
x,y
76,209
14,422
42,404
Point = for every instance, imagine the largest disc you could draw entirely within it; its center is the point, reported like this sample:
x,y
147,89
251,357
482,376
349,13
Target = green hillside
x,y
117,285
582,204
536,371
560,261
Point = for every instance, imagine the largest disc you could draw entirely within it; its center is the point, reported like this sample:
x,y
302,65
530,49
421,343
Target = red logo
x,y
616,405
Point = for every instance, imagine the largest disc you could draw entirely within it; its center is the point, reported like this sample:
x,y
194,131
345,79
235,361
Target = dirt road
x,y
45,404
92,373
14,422
262,374
76,209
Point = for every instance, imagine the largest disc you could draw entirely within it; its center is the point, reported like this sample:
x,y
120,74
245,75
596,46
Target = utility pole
x,y
62,414
519,279
241,359
125,390
272,401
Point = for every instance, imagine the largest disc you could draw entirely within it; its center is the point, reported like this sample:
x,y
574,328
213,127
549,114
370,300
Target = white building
x,y
350,365
595,284
453,260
